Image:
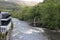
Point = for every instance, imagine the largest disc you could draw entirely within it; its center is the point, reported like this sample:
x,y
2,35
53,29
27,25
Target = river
x,y
23,31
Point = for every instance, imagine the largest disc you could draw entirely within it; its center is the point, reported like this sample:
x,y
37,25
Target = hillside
x,y
25,3
8,5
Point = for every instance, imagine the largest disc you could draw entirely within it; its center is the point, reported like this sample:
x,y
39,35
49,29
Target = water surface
x,y
23,31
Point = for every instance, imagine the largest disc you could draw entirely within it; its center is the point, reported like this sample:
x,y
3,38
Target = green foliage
x,y
50,14
47,12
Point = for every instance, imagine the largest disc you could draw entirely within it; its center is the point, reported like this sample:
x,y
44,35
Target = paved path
x,y
22,31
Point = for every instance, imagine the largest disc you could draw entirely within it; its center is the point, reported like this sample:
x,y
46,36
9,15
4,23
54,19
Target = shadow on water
x,y
53,35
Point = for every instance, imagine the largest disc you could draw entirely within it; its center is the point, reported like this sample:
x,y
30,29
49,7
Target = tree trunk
x,y
34,22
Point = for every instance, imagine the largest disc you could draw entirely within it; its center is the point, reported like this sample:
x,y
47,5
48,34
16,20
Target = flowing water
x,y
23,31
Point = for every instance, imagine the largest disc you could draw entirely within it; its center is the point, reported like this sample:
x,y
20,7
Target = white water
x,y
22,31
